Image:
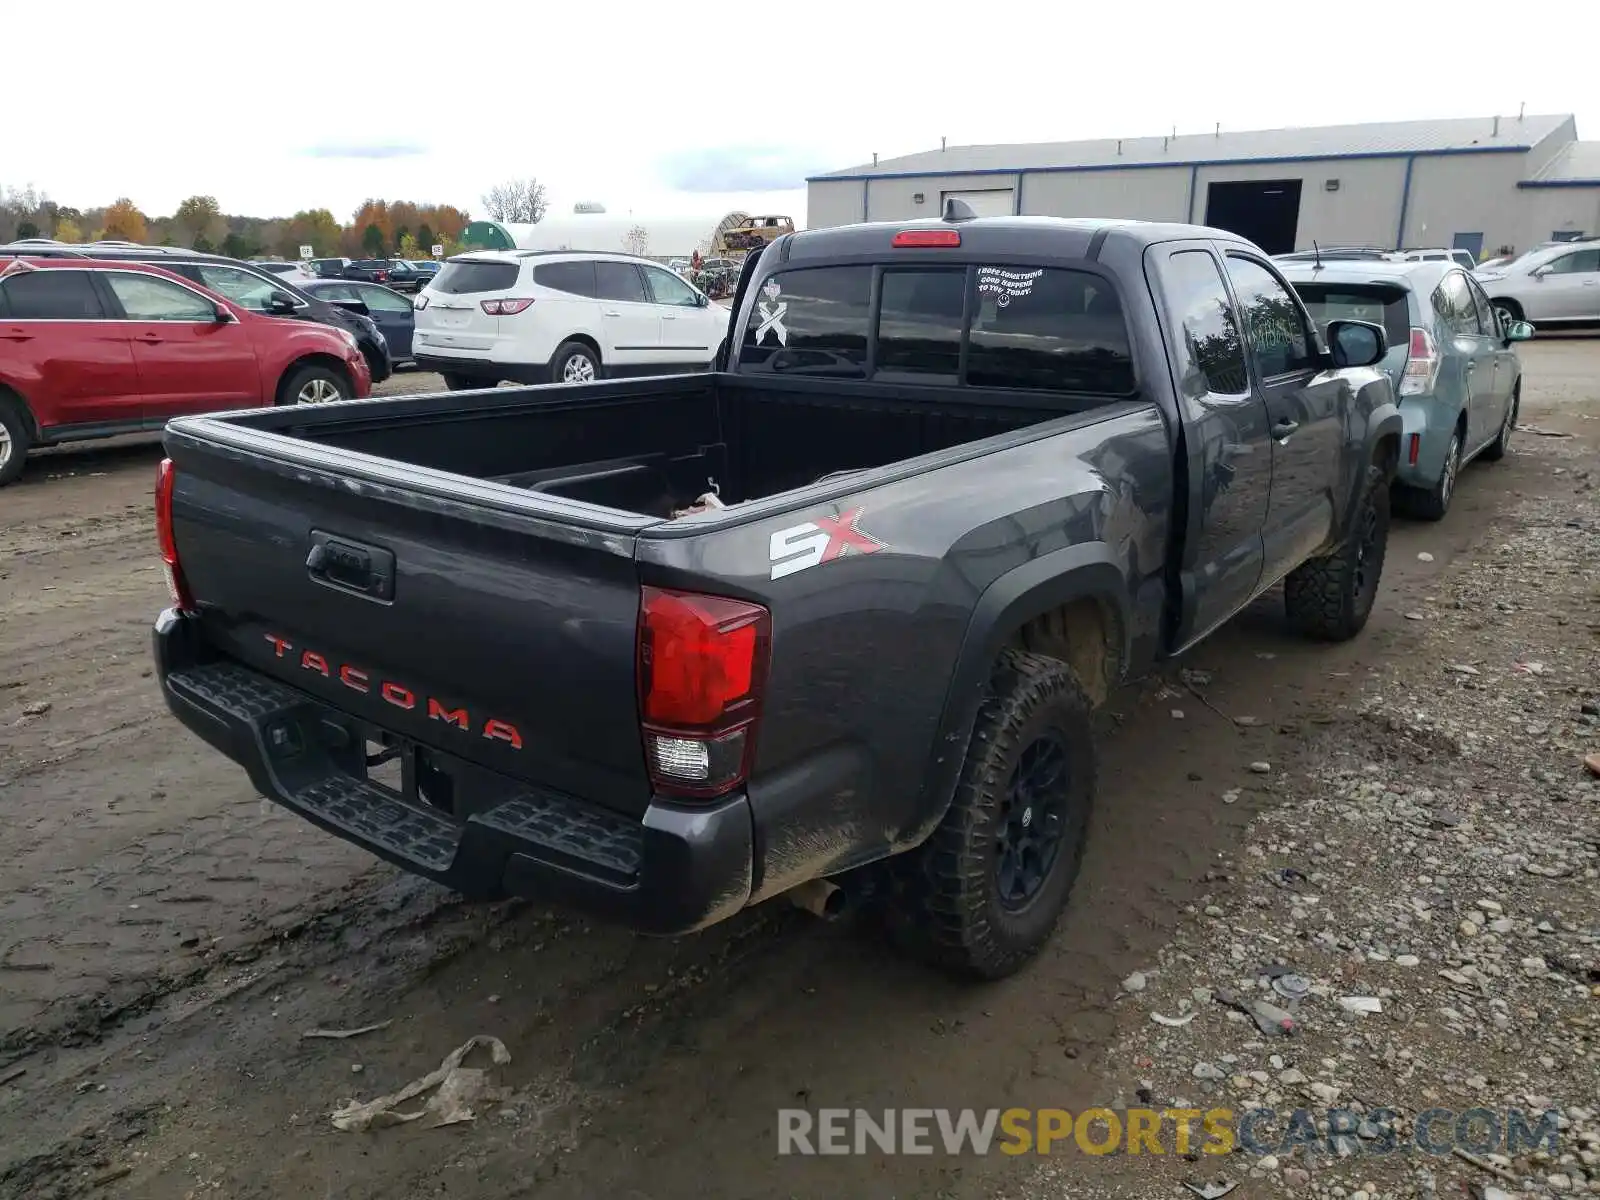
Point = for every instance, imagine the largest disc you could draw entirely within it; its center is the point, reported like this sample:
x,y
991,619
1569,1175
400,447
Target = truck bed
x,y
652,447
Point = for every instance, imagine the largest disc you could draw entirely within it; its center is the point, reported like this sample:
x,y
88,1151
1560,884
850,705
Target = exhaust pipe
x,y
820,898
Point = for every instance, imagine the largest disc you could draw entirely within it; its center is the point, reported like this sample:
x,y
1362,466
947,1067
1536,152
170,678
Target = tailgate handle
x,y
351,566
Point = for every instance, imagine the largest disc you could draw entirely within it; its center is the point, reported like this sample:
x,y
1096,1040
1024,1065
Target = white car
x,y
561,316
1548,285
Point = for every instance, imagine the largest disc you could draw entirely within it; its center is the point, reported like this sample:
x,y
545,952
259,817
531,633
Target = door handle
x,y
669,316
610,312
1284,428
150,339
16,335
1471,367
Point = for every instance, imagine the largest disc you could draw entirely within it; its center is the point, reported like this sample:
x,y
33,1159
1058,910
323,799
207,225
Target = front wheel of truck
x,y
1331,598
983,894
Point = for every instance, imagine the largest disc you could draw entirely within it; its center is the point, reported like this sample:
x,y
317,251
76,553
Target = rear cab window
x,y
464,278
984,325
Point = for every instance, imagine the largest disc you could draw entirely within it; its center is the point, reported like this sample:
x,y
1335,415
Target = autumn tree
x,y
27,229
124,222
409,248
199,219
313,227
372,241
67,230
521,201
425,238
445,221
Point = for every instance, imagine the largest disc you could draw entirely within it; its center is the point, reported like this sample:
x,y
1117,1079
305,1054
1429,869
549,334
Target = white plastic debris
x,y
341,1034
459,1088
1173,1022
1361,1004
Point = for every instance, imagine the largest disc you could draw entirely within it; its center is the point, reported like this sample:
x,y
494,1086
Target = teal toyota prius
x,y
1451,357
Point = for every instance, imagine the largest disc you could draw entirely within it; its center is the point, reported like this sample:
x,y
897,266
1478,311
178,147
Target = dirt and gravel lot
x,y
1424,835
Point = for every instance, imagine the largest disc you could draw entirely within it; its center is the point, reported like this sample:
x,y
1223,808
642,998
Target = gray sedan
x,y
1450,357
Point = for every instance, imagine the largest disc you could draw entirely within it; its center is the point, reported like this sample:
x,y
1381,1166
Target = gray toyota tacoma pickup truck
x,y
828,620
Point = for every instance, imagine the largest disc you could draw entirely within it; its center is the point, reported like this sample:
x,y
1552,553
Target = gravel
x,y
1438,861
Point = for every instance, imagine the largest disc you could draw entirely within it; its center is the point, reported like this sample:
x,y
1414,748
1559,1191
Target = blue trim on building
x,y
1559,183
1194,183
1405,204
1191,162
866,187
1016,195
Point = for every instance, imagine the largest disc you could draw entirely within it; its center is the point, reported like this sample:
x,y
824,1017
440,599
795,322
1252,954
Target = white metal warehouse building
x,y
1478,183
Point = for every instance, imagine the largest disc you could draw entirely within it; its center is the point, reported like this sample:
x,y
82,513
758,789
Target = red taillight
x,y
1422,364
166,476
702,663
912,238
382,275
421,302
1416,448
506,308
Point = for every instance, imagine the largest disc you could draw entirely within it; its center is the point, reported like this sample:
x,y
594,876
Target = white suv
x,y
561,316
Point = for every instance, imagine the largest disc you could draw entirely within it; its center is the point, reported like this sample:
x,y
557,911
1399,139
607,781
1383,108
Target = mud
x,y
166,936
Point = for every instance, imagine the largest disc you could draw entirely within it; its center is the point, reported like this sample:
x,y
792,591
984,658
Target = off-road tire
x,y
1496,450
566,353
1431,504
946,907
1330,598
19,430
296,380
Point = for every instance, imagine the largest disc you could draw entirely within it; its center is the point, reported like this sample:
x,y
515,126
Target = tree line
x,y
378,229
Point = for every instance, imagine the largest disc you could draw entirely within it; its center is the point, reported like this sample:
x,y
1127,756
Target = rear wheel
x,y
16,437
983,894
1331,598
575,362
1496,450
1433,503
313,384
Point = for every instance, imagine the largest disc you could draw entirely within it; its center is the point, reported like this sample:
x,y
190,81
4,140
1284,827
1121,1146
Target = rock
x,y
1269,1163
36,708
1325,1092
1297,1177
1265,768
1424,556
1135,982
1406,960
1205,1070
1467,929
1291,1077
1559,1182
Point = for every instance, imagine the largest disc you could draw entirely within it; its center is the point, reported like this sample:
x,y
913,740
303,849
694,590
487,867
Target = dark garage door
x,y
1267,211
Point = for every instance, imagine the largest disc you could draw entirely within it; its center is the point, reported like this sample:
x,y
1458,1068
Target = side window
x,y
383,300
919,322
336,291
667,288
1279,341
1055,330
1486,318
52,296
576,278
1199,305
239,286
1455,305
1580,262
811,321
147,298
619,281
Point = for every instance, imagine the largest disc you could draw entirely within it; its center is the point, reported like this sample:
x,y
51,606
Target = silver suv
x,y
1550,285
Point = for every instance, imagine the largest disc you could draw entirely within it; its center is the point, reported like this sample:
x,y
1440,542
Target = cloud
x,y
739,169
365,150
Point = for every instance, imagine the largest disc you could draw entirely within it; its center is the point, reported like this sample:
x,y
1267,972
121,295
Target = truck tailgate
x,y
499,635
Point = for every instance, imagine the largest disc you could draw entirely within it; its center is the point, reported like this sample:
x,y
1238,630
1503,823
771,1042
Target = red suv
x,y
93,349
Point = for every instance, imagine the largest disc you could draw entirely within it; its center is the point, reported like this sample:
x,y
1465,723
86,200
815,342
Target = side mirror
x,y
701,300
1356,343
1540,272
224,317
355,306
1518,331
280,304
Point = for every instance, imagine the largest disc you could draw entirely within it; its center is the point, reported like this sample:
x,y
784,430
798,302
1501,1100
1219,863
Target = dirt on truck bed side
x,y
167,937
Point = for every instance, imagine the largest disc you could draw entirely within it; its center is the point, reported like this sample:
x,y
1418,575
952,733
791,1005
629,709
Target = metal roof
x,y
1466,135
1577,164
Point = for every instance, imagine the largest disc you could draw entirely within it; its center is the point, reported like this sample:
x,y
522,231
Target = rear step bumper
x,y
674,871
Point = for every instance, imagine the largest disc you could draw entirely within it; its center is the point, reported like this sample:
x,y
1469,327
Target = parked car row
x,y
91,348
401,274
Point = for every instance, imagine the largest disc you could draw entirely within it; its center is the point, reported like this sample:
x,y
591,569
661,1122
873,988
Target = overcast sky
x,y
646,107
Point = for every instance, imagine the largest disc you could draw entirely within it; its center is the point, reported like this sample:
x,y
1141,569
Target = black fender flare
x,y
1384,421
1082,572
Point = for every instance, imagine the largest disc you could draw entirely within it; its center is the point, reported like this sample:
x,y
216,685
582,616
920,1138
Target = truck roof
x,y
1068,237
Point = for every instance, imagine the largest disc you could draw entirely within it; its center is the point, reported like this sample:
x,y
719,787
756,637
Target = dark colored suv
x,y
244,283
